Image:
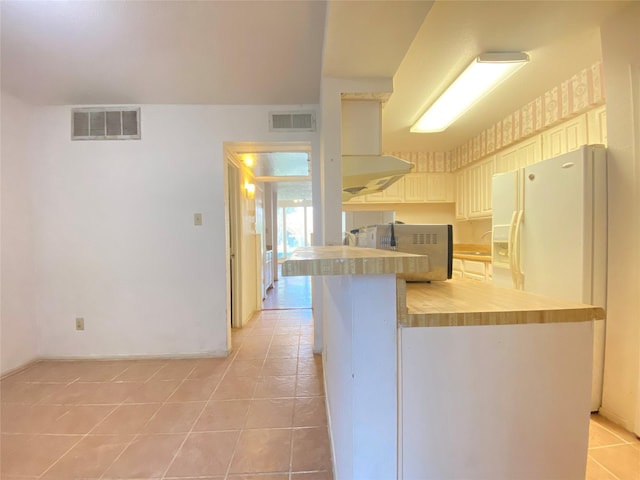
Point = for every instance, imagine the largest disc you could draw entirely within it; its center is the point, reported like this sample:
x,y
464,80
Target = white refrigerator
x,y
549,234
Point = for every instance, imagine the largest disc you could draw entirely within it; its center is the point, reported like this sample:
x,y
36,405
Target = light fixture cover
x,y
483,74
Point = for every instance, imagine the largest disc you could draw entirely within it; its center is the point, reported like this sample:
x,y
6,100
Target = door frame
x,y
233,245
635,96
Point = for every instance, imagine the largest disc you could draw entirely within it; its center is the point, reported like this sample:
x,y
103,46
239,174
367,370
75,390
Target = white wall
x,y
621,51
473,231
327,187
114,236
18,295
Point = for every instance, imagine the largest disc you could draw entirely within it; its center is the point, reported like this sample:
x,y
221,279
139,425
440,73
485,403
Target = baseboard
x,y
618,420
162,356
106,358
20,368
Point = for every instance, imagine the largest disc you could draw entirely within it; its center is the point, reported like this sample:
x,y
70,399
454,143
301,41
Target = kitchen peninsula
x,y
448,380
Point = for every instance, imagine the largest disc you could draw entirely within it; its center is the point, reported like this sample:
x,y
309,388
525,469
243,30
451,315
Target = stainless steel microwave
x,y
435,241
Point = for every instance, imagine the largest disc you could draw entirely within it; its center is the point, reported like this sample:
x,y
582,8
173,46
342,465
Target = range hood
x,y
364,169
365,174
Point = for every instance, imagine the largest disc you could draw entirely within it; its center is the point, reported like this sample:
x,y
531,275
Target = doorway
x,y
294,228
283,217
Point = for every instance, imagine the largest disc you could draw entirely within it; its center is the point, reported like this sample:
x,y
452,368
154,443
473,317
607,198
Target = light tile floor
x,y
256,415
614,454
288,292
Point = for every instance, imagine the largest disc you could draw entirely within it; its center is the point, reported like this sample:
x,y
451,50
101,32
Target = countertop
x,y
438,304
468,302
344,260
470,251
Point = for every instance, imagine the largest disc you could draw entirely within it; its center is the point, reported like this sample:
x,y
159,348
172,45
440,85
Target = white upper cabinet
x,y
470,187
522,154
597,126
461,194
415,188
473,199
440,188
563,138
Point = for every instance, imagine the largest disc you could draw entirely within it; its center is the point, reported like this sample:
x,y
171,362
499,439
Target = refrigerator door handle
x,y
511,248
518,275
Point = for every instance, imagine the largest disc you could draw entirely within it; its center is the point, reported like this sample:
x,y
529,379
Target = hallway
x,y
288,292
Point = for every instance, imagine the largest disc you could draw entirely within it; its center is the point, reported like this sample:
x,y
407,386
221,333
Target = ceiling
x,y
165,52
275,52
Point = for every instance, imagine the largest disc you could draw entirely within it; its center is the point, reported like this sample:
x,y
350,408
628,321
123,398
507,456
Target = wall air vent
x,y
105,123
292,121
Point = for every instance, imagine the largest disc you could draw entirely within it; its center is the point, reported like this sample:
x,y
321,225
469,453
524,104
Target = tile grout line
x,y
253,394
75,380
82,437
137,435
295,402
612,433
604,468
175,455
600,447
195,422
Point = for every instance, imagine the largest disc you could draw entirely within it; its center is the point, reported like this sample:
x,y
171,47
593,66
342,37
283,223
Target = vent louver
x,y
292,121
102,123
425,239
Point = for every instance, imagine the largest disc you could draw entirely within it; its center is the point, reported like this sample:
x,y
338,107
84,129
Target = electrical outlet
x,y
79,323
197,219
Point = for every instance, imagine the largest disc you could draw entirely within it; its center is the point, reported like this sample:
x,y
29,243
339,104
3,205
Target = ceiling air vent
x,y
102,123
292,121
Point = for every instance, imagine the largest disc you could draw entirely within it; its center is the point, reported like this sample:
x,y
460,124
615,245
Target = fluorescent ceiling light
x,y
483,75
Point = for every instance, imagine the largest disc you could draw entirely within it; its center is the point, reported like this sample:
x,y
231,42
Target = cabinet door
x,y
506,161
478,189
394,193
597,126
360,199
415,187
519,155
566,137
474,186
461,196
475,270
440,187
486,177
377,197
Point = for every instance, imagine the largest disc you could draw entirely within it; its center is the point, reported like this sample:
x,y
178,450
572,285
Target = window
x,y
295,229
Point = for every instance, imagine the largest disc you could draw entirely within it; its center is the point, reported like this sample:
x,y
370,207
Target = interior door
x,y
233,189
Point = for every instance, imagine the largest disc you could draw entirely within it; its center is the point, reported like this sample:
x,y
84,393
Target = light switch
x,y
197,219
